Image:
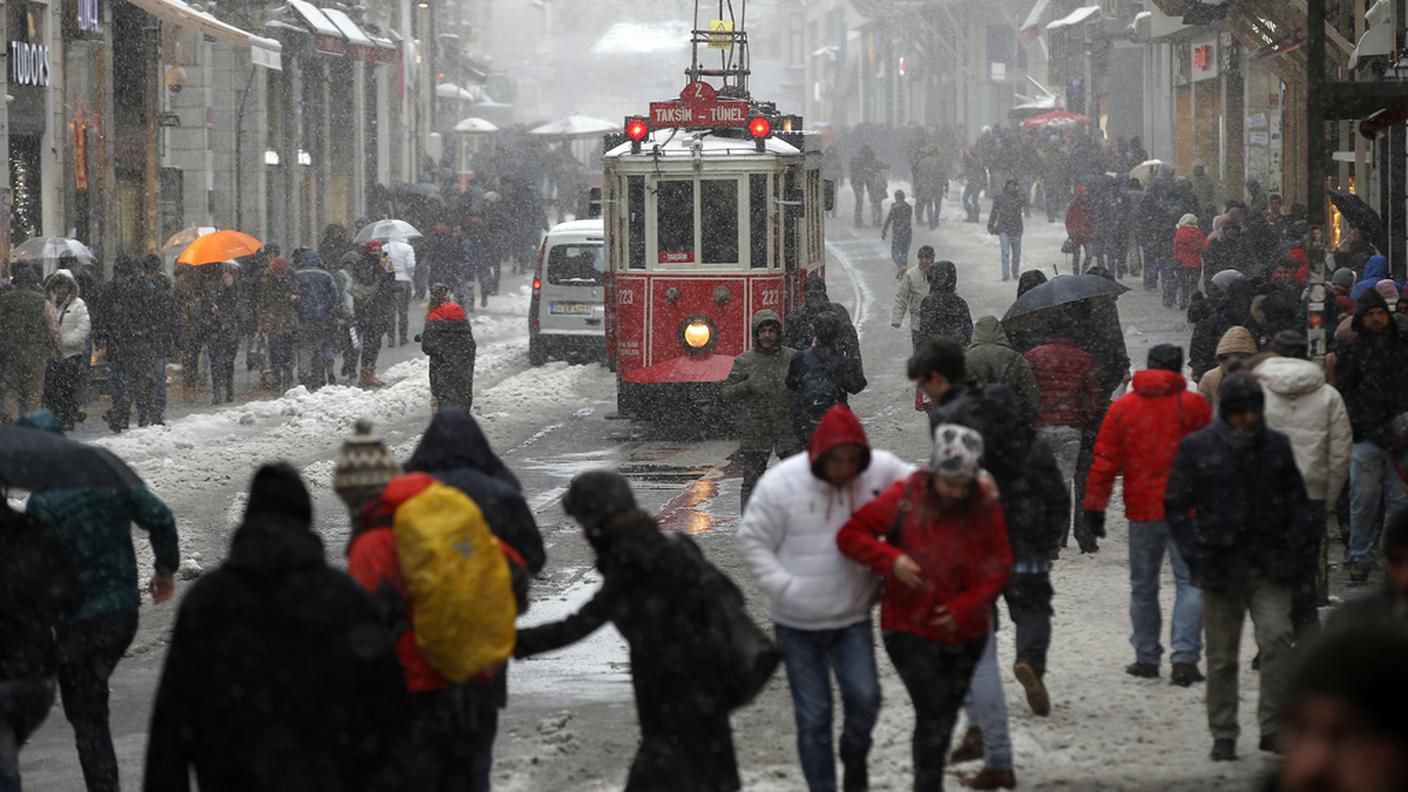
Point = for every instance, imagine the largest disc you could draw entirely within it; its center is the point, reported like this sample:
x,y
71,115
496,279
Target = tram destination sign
x,y
699,106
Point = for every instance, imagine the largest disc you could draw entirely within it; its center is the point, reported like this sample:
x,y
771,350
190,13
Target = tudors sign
x,y
29,64
699,106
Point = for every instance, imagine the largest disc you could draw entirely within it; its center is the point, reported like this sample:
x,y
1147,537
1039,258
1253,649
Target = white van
x,y
567,315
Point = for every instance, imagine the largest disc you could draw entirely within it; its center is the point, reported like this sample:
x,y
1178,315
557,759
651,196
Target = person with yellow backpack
x,y
696,655
427,552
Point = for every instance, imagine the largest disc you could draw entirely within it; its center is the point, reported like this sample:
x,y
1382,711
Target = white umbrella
x,y
48,250
1145,170
575,126
473,124
386,231
178,241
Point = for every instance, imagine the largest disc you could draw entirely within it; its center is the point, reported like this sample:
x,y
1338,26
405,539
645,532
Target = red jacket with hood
x,y
1140,437
961,550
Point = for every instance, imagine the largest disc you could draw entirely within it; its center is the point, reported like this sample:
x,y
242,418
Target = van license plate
x,y
569,309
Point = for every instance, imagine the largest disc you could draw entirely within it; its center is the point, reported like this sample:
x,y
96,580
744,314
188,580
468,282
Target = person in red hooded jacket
x,y
1189,242
1080,226
1139,438
448,339
941,544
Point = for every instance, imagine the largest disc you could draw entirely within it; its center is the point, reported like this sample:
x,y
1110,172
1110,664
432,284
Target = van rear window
x,y
575,265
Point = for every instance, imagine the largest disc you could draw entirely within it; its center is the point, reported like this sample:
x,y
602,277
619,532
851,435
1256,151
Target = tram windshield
x,y
709,235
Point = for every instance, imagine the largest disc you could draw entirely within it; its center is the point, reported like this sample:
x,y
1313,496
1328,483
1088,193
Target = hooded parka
x,y
943,312
1237,340
71,314
991,360
1300,405
757,383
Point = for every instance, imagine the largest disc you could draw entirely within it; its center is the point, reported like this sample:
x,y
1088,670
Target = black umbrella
x,y
1034,306
1361,216
36,460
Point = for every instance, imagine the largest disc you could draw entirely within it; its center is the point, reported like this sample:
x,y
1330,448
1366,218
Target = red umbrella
x,y
1056,118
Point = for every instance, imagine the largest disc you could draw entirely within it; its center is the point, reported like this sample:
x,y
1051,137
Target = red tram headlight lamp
x,y
637,129
759,127
697,335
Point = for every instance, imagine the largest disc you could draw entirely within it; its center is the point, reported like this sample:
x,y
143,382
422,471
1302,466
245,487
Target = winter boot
x,y
988,778
1142,670
1037,697
1185,674
368,379
1224,749
970,750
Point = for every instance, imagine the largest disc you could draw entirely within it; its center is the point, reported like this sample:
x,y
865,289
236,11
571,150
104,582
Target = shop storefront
x,y
30,75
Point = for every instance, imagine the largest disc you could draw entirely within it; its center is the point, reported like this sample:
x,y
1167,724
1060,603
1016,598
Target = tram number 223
x,y
772,297
626,297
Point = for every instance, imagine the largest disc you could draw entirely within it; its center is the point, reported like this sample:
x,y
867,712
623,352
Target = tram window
x,y
674,222
718,220
635,232
758,221
789,220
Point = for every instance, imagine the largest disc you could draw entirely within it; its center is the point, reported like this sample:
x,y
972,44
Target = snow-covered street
x,y
570,724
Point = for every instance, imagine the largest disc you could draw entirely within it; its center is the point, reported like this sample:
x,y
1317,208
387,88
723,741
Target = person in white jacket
x,y
66,379
403,256
1300,404
820,599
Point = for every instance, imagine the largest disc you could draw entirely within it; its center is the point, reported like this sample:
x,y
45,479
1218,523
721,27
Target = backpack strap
x,y
905,505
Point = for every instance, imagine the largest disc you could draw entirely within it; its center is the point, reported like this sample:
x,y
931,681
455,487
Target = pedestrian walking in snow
x,y
403,258
1312,414
162,317
878,188
373,301
1071,399
1005,222
991,360
1237,344
222,304
1372,374
931,185
66,381
32,341
943,312
1237,508
798,332
1189,241
757,383
278,320
318,306
1080,228
1138,440
942,545
662,595
37,588
820,601
131,355
909,298
280,673
901,219
95,528
975,178
822,377
448,339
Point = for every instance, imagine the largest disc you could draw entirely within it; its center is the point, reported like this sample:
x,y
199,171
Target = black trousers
x,y
694,757
937,678
222,349
64,385
755,464
452,739
132,378
370,331
1028,596
402,321
89,650
1305,597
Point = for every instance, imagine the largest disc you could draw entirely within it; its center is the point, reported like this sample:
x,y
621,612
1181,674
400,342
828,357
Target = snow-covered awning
x,y
263,52
348,28
1031,28
1076,17
315,19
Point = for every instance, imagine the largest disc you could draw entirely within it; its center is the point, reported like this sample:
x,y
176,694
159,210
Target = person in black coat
x,y
37,585
134,343
943,312
1236,506
280,674
797,332
658,591
822,376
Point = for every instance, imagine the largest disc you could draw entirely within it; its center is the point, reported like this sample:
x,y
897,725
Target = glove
x,y
1085,532
1095,523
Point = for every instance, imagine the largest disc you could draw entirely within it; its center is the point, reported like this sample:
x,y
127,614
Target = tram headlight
x,y
697,335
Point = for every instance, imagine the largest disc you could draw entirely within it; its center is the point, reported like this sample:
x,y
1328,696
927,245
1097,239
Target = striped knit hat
x,y
364,466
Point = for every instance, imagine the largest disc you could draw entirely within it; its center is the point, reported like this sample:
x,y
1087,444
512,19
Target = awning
x,y
327,38
347,27
263,52
1075,17
1031,28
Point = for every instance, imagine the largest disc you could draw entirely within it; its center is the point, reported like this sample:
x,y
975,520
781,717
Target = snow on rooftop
x,y
1075,17
680,146
642,38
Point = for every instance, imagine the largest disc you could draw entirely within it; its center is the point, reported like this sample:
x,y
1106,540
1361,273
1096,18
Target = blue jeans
x,y
986,708
1147,541
810,657
1011,254
1374,492
159,400
971,192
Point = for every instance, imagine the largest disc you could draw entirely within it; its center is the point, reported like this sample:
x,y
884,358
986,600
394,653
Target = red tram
x,y
713,207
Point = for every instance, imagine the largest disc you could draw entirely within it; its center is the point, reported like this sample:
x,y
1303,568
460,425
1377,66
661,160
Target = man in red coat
x,y
1139,438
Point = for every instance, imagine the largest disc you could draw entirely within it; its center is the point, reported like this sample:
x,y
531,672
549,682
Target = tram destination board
x,y
699,106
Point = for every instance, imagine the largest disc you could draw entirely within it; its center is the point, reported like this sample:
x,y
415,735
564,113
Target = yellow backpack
x,y
459,581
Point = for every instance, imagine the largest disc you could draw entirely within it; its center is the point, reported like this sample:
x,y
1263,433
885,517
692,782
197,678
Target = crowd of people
x,y
294,314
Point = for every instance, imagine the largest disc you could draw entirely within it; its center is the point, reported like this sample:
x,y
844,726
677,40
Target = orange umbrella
x,y
219,246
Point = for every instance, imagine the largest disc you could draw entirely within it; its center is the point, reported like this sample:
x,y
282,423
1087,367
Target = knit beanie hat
x,y
364,466
1343,278
1240,392
958,452
1166,357
1290,343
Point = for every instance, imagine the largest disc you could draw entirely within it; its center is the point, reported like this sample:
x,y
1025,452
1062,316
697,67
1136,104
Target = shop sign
x,y
1203,59
29,64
